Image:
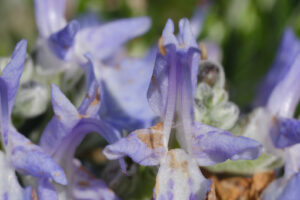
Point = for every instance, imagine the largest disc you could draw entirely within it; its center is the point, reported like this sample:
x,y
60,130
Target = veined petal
x,y
29,158
288,49
124,90
9,185
61,42
102,41
212,146
144,146
46,190
285,132
49,15
86,186
179,177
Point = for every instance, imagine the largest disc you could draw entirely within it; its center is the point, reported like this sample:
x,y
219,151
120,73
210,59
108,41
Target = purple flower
x,y
170,95
21,154
65,132
280,133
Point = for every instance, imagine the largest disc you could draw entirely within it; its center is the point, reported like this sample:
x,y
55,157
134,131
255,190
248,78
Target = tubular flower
x,y
21,154
65,132
171,96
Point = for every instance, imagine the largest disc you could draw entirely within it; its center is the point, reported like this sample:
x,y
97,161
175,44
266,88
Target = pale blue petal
x,y
212,145
61,42
144,146
45,190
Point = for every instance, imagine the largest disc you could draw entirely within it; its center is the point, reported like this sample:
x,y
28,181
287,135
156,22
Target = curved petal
x,y
49,16
102,41
144,146
186,34
285,132
61,42
12,72
212,146
29,158
179,177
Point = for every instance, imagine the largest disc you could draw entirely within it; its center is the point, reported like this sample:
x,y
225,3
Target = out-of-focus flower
x,y
62,46
171,96
21,154
280,107
65,132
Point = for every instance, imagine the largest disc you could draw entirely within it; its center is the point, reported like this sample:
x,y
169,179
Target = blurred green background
x,y
248,31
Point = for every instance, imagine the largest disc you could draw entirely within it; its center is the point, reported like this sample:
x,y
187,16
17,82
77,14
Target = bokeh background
x,y
248,31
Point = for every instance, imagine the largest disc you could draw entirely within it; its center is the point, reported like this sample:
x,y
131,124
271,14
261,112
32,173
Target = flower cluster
x,y
168,109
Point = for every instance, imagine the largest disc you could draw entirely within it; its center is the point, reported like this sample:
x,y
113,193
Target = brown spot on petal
x,y
154,138
97,98
156,190
34,195
203,51
84,184
58,117
177,165
161,46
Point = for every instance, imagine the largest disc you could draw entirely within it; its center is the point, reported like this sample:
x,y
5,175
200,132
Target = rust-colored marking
x,y
84,183
34,195
58,117
203,51
161,46
97,98
154,138
177,165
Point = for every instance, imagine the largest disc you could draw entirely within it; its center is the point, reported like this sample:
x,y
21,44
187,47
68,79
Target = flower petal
x,y
286,53
285,132
86,186
212,146
144,146
12,72
61,42
46,190
179,177
30,159
102,41
49,16
291,190
9,186
124,102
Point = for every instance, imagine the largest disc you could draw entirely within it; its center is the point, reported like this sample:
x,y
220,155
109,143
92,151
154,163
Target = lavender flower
x,y
171,95
65,132
283,130
20,153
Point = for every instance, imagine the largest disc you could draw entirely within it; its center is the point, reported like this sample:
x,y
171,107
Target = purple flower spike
x,y
65,132
170,95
